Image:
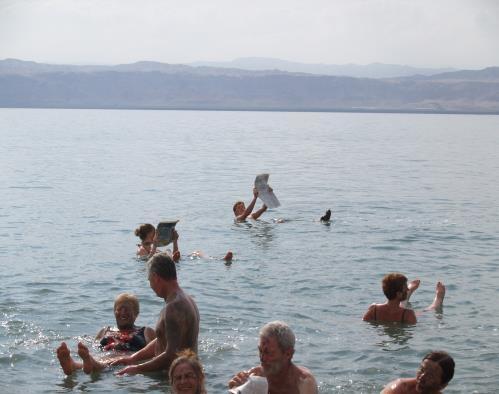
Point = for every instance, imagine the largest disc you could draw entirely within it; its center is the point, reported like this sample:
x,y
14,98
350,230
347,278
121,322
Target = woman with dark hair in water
x,y
148,245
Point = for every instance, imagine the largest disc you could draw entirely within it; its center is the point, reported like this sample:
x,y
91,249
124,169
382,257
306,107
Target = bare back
x,y
383,313
178,325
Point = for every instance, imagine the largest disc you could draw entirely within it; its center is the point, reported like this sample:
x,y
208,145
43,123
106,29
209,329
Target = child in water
x,y
148,245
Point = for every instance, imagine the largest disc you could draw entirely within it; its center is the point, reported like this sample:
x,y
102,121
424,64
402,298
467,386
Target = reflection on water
x,y
262,233
393,334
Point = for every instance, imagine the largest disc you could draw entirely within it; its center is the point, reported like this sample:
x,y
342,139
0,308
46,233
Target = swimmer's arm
x,y
241,377
144,353
163,360
176,251
258,213
369,315
141,251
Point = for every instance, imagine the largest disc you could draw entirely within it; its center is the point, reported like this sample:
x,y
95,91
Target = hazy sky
x,y
432,33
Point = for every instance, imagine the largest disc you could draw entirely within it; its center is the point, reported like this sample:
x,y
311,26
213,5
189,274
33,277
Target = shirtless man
x,y
435,371
178,324
398,292
241,212
276,347
127,337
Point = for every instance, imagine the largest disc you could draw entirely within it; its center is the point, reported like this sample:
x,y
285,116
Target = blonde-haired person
x,y
186,374
126,337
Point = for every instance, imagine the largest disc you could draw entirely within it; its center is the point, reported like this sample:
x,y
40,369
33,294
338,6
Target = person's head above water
x,y
393,284
276,347
145,232
126,310
186,374
435,371
162,265
239,207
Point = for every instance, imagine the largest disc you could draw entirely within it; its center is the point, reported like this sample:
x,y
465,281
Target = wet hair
x,y
127,297
162,265
143,230
392,284
446,363
187,356
281,332
235,205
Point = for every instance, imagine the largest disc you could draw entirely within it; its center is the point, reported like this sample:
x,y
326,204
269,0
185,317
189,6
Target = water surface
x,y
411,193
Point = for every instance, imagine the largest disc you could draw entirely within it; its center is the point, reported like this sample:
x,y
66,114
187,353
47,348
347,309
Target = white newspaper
x,y
254,385
268,197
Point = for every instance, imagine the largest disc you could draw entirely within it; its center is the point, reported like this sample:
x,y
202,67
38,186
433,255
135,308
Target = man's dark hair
x,y
392,284
162,265
446,363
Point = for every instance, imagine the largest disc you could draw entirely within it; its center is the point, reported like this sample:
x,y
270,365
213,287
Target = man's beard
x,y
273,368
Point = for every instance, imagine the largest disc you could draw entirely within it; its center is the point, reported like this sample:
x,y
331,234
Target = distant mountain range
x,y
374,70
165,86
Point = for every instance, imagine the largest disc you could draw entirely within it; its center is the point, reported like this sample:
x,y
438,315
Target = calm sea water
x,y
411,193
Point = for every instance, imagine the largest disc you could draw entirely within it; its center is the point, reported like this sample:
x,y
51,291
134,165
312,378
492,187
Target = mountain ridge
x,y
147,85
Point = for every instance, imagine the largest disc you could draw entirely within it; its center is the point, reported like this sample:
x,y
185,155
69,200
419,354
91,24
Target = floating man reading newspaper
x,y
264,192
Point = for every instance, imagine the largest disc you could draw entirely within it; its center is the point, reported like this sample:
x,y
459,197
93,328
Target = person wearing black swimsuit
x,y
126,337
396,291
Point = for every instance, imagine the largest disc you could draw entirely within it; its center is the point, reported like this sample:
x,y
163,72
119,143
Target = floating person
x,y
326,217
241,212
186,374
149,245
398,292
127,337
197,254
435,372
178,324
276,347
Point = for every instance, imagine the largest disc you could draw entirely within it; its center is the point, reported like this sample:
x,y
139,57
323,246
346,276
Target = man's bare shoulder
x,y
400,386
306,381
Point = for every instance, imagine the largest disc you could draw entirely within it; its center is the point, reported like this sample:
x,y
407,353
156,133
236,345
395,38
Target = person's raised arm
x,y
250,207
176,251
258,213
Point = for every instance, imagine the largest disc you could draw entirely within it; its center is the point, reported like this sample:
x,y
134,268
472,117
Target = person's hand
x,y
127,360
270,190
176,256
130,370
239,379
255,192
